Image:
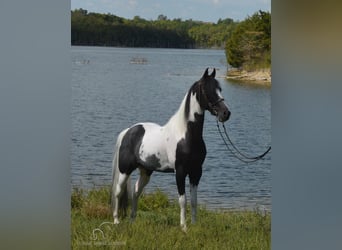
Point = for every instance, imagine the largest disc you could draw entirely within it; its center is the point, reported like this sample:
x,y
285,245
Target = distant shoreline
x,y
262,76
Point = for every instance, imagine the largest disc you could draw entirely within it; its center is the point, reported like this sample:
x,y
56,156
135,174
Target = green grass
x,y
157,225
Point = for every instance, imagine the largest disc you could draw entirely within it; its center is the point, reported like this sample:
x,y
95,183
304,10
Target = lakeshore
x,y
92,226
262,76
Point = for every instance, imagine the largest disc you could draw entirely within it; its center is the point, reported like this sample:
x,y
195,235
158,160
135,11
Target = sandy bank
x,y
259,76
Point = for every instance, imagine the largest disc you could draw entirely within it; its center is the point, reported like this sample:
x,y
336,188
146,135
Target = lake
x,y
110,93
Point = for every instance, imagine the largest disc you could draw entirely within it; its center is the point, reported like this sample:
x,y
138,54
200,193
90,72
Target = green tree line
x,y
111,30
247,43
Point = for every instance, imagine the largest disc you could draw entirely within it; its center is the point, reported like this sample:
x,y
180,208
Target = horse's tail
x,y
125,197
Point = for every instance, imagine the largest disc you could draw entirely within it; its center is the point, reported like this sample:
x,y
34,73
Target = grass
x,y
157,225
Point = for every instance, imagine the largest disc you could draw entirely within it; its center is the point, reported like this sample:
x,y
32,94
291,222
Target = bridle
x,y
210,105
214,104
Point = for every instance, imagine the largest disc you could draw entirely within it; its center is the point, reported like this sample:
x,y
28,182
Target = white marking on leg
x,y
118,192
193,194
139,186
182,205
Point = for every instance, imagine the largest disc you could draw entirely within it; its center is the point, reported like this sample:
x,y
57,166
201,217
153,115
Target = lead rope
x,y
247,159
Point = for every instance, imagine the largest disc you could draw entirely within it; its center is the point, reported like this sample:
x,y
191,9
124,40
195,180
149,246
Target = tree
x,y
249,46
110,30
226,21
162,17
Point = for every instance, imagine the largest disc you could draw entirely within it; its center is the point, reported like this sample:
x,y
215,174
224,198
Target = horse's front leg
x,y
193,194
195,177
180,179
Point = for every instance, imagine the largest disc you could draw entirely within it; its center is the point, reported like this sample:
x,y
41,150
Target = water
x,y
109,94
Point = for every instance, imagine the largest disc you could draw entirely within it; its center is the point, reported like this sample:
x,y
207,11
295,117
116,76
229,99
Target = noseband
x,y
212,105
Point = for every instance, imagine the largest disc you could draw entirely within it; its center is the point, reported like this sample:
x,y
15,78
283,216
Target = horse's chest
x,y
190,153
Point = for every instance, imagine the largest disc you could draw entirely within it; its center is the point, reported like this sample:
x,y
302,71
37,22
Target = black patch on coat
x,y
166,170
129,149
190,154
151,162
191,150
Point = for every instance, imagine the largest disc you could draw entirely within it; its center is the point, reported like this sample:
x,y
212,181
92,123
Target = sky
x,y
200,10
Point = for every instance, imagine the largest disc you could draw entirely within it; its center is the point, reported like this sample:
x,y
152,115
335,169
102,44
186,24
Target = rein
x,y
239,155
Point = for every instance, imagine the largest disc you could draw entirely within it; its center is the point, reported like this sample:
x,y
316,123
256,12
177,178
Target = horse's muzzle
x,y
222,112
223,115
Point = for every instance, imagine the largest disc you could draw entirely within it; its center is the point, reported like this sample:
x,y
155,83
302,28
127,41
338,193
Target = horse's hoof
x,y
184,228
116,221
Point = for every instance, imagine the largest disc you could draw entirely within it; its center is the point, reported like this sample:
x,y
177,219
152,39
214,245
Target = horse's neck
x,y
189,111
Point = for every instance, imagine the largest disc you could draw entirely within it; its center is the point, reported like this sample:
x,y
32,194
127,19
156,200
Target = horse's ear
x,y
213,73
205,75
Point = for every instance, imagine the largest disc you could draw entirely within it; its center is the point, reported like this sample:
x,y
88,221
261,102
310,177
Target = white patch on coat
x,y
218,92
155,142
195,108
161,141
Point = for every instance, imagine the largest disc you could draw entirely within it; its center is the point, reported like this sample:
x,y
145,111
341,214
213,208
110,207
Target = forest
x,y
111,30
247,43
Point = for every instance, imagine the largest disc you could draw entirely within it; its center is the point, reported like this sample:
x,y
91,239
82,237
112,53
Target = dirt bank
x,y
259,76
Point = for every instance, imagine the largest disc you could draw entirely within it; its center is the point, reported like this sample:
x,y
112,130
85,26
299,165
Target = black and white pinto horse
x,y
177,146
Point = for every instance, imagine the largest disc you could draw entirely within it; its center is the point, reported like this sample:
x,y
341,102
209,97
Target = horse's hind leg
x,y
119,190
144,178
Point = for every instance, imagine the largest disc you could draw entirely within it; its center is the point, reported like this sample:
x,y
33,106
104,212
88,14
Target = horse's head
x,y
211,98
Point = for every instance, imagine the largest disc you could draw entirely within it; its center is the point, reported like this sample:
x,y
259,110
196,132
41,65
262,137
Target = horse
x,y
178,147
